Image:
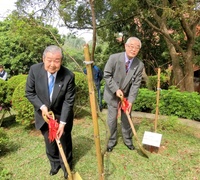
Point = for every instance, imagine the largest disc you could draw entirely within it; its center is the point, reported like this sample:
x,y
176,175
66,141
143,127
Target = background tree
x,y
177,22
73,47
167,29
22,42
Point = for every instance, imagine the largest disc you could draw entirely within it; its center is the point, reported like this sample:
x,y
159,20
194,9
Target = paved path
x,y
187,122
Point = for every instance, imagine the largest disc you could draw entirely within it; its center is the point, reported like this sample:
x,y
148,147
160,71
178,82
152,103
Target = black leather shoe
x,y
53,172
131,147
109,149
66,175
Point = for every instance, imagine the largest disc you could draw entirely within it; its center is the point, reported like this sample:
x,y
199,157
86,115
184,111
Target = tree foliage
x,y
73,47
168,30
23,41
177,22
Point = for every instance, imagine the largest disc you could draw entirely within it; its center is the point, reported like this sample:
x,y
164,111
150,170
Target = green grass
x,y
177,158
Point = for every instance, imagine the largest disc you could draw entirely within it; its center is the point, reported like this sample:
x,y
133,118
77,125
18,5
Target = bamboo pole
x,y
93,105
157,101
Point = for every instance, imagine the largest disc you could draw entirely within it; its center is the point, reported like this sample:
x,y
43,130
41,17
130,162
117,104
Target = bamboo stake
x,y
157,101
93,105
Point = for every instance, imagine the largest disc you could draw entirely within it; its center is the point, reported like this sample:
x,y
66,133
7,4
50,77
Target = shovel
x,y
133,128
74,176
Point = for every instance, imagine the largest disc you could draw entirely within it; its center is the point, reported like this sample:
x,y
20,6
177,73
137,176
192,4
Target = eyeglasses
x,y
137,48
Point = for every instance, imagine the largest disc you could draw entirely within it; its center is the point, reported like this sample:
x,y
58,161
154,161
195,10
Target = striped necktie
x,y
126,65
51,83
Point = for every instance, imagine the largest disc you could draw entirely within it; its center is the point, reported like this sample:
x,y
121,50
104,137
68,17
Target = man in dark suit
x,y
123,75
98,76
60,100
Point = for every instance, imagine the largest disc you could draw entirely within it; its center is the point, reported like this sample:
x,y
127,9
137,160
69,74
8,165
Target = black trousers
x,y
52,150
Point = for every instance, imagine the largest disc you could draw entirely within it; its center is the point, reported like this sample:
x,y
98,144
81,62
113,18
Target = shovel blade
x,y
76,176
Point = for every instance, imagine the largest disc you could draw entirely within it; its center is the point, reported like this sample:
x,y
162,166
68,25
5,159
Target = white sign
x,y
153,139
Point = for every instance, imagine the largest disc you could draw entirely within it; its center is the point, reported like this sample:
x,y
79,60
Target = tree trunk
x,y
189,71
178,75
181,53
183,76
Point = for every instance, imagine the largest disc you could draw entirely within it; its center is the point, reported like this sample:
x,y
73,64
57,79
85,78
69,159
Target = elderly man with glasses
x,y
123,75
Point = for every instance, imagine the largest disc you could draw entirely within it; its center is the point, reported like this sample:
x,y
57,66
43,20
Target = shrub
x,y
12,83
145,101
3,92
23,108
181,104
172,102
153,80
82,93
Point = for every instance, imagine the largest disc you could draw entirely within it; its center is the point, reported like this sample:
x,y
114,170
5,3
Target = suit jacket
x,y
63,96
116,78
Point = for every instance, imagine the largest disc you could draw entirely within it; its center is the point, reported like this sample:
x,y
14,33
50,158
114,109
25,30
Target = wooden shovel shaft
x,y
133,129
135,134
64,159
60,149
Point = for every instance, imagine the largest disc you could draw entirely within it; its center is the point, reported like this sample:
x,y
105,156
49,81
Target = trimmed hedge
x,y
181,104
12,83
153,80
82,93
145,101
172,102
3,93
23,108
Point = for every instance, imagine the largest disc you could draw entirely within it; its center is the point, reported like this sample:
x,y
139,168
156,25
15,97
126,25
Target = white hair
x,y
133,38
52,49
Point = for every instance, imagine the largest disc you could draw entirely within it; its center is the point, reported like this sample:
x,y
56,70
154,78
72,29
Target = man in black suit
x,y
60,100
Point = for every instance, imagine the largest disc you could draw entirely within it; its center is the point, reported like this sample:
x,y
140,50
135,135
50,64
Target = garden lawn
x,y
177,158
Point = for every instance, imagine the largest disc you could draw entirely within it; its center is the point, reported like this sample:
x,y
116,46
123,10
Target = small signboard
x,y
151,138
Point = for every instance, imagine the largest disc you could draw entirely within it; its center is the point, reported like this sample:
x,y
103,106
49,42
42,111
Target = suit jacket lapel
x,y
44,82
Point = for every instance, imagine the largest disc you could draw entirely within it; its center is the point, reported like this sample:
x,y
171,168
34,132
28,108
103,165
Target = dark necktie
x,y
126,65
51,83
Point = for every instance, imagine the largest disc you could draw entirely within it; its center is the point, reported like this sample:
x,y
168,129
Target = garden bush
x,y
145,101
181,104
172,102
153,80
12,83
82,93
3,92
23,108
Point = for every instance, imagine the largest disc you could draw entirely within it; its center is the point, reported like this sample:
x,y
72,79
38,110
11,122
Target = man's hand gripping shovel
x,y
54,126
124,105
